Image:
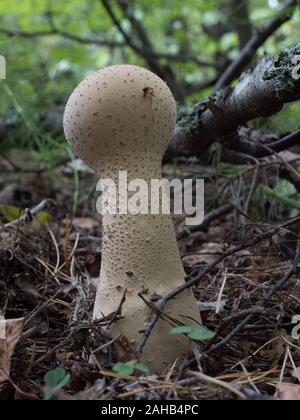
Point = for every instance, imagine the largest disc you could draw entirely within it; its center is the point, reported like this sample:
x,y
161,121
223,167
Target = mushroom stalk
x,y
121,119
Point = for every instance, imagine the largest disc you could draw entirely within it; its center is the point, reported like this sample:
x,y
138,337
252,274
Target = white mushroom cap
x,y
120,118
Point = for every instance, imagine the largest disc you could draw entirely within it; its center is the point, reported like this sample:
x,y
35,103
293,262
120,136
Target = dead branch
x,y
154,64
59,32
257,40
194,281
260,93
215,214
30,213
257,150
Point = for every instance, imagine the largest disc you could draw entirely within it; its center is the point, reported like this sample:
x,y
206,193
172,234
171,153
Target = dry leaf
x,y
10,333
205,254
288,392
85,223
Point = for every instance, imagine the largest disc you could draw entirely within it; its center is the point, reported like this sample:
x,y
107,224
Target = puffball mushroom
x,y
121,118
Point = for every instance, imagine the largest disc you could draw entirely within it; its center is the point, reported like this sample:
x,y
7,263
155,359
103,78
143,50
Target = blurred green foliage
x,y
42,71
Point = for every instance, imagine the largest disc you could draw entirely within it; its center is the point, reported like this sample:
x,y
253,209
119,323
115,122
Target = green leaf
x,y
200,333
124,369
54,377
290,202
285,188
142,368
195,332
55,380
11,213
43,217
128,368
183,329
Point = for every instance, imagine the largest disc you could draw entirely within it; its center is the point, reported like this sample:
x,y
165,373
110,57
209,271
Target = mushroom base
x,y
162,348
140,255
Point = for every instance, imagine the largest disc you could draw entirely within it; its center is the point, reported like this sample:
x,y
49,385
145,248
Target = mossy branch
x,y
261,92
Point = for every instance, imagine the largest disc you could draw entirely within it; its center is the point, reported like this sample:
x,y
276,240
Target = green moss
x,y
189,119
282,72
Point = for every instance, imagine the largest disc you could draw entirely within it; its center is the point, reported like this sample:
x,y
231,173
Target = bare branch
x,y
118,25
215,214
260,150
150,58
59,32
104,43
248,52
240,17
136,25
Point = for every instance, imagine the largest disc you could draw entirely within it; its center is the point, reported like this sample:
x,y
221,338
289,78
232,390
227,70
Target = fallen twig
x,y
161,304
204,226
219,383
29,213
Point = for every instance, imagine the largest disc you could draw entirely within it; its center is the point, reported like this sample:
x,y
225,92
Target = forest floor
x,y
49,269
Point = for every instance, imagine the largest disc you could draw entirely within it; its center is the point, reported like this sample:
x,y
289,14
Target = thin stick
x,y
249,378
119,310
218,306
219,383
56,249
31,212
283,366
293,363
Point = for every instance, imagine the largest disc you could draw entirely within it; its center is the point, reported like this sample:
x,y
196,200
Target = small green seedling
x,y
12,213
128,368
54,381
283,193
194,332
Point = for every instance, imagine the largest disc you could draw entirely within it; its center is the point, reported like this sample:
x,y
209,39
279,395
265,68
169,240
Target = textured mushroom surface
x,y
121,118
